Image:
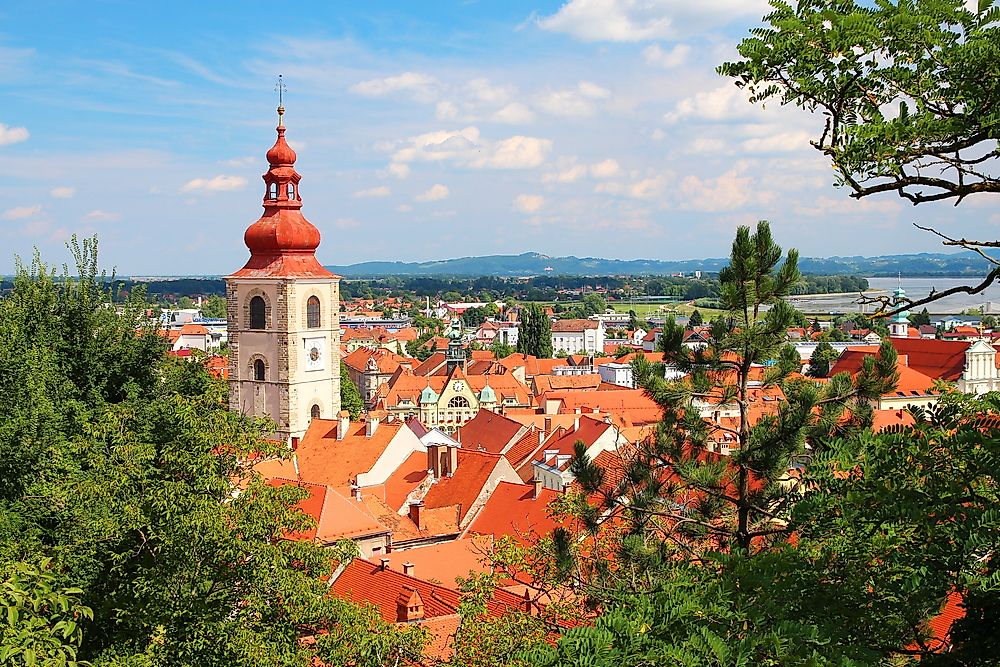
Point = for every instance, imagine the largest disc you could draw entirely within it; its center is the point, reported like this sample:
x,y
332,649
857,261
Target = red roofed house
x,y
913,388
370,368
338,517
403,598
491,432
461,480
578,336
550,462
516,510
341,453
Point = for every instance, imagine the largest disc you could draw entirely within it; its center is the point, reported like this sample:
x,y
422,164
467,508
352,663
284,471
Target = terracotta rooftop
x,y
489,431
324,459
513,510
464,487
573,326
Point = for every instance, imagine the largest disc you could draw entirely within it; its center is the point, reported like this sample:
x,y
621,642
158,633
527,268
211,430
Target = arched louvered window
x,y
312,312
314,411
258,313
259,370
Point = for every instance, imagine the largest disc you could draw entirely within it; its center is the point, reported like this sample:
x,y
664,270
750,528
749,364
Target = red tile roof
x,y
489,431
513,510
324,459
464,487
366,582
573,326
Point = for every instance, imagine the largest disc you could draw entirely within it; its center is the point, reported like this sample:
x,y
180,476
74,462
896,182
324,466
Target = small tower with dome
x,y
899,325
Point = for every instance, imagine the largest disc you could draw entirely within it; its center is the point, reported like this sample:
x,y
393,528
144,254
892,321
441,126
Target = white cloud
x,y
216,184
420,86
22,212
782,142
643,20
514,113
675,57
723,103
101,216
707,146
605,168
466,148
245,161
346,223
437,192
528,203
570,174
13,135
62,192
378,191
517,152
727,192
404,208
647,188
573,102
446,110
397,169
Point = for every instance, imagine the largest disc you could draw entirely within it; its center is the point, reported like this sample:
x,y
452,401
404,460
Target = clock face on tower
x,y
313,353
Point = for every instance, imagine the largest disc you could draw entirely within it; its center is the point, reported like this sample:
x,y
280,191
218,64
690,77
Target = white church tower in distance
x,y
284,311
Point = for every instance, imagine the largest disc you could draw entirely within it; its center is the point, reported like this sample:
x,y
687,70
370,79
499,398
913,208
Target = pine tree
x,y
822,359
695,320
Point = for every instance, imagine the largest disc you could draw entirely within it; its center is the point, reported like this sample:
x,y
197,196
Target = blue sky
x,y
424,131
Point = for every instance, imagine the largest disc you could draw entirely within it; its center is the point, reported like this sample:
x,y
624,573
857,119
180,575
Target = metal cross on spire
x,y
280,88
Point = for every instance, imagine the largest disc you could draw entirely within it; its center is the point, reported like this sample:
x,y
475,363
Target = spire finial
x,y
280,88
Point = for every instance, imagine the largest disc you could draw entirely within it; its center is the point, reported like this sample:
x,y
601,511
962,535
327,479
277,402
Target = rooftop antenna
x,y
280,88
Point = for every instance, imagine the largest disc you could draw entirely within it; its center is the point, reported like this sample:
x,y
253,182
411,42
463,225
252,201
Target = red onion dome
x,y
282,231
281,154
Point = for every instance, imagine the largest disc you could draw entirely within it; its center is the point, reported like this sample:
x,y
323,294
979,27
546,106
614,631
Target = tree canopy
x,y
910,90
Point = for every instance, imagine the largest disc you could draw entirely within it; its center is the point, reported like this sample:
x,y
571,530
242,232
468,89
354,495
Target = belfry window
x,y
314,412
312,312
258,313
259,370
291,191
272,191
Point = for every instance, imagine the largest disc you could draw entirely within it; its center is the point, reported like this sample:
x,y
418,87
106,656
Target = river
x,y
916,288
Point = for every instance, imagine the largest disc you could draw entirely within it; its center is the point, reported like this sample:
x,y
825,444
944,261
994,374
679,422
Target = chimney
x,y
371,424
408,569
548,424
434,460
385,564
343,424
295,443
537,488
452,460
355,491
417,515
576,422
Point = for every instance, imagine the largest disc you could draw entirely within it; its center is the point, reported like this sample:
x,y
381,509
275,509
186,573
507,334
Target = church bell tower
x,y
284,311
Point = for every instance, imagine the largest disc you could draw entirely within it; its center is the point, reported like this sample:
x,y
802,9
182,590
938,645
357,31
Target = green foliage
x,y
350,397
214,307
534,334
922,318
695,320
501,349
488,640
910,90
822,359
41,620
592,303
119,466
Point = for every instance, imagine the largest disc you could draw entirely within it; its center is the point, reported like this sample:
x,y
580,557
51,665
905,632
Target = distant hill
x,y
535,264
